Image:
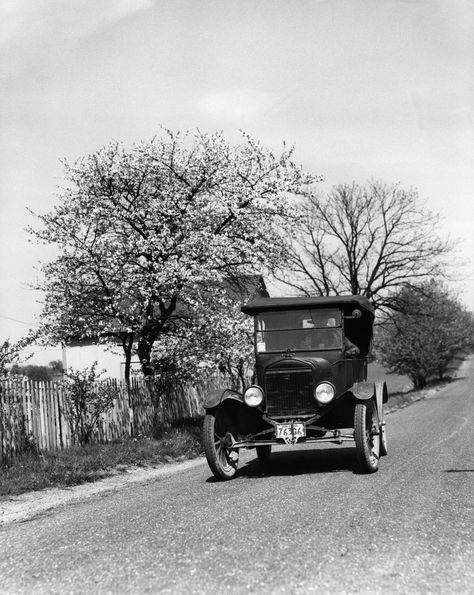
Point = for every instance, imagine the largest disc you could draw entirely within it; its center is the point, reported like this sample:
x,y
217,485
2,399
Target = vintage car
x,y
310,384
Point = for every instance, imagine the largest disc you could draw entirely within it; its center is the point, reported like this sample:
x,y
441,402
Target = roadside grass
x,y
406,396
33,470
399,400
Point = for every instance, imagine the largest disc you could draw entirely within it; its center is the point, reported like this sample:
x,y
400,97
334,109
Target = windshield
x,y
298,330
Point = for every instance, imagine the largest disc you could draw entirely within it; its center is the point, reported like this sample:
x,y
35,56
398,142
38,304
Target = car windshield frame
x,y
308,329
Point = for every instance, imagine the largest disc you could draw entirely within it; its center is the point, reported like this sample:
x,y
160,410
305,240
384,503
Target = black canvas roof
x,y
265,304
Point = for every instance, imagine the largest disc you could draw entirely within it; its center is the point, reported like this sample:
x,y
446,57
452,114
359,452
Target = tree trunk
x,y
150,333
419,380
127,345
441,372
155,392
144,348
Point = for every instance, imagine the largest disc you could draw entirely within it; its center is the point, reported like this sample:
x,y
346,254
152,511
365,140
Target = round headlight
x,y
324,393
253,396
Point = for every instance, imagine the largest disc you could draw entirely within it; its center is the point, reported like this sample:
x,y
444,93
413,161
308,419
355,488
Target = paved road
x,y
306,523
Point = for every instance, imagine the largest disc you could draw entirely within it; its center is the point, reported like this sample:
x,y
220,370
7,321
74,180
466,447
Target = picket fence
x,y
36,413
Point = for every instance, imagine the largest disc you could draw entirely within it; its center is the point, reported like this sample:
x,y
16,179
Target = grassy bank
x,y
36,471
399,400
404,397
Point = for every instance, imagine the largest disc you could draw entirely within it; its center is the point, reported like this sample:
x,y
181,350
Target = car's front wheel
x,y
218,438
367,436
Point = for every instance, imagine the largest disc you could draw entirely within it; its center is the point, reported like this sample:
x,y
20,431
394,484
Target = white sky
x,y
364,88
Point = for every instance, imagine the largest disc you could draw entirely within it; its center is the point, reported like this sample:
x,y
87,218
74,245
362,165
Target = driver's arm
x,y
350,348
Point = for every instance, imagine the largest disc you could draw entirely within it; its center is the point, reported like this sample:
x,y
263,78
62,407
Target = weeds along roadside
x,y
35,470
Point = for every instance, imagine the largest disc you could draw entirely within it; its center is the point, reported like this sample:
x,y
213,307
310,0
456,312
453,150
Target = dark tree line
x,y
429,329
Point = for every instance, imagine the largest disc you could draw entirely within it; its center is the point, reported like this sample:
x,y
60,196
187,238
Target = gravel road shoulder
x,y
32,504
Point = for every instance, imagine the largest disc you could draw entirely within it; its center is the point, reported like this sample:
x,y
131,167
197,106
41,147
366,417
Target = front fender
x,y
215,397
381,394
363,391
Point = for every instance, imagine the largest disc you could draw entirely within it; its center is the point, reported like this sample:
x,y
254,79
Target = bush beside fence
x,y
36,413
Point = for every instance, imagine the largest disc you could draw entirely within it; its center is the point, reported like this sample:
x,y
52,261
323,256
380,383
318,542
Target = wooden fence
x,y
36,413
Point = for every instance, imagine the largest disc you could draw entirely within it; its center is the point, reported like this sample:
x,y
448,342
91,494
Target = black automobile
x,y
311,384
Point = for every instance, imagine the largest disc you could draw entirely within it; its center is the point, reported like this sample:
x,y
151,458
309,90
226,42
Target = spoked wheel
x,y
264,452
367,436
218,439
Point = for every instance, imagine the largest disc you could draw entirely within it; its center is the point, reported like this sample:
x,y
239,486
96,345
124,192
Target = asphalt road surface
x,y
305,523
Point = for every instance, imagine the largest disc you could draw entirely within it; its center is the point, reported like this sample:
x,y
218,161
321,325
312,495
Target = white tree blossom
x,y
140,231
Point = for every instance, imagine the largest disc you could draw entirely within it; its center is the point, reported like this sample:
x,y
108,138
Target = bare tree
x,y
366,240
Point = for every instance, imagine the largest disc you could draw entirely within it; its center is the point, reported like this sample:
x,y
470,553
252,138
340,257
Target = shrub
x,y
87,398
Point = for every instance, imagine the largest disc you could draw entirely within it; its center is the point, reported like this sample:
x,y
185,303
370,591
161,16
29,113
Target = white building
x,y
81,355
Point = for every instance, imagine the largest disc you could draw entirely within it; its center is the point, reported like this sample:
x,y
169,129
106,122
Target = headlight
x,y
253,396
324,393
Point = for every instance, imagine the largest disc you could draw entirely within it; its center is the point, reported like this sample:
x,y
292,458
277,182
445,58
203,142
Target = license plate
x,y
290,432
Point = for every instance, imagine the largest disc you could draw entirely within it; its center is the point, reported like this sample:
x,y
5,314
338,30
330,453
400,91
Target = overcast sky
x,y
363,88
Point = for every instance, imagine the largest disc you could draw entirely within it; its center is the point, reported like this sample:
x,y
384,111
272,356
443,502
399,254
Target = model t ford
x,y
311,384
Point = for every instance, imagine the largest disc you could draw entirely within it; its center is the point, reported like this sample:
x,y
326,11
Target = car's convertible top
x,y
266,304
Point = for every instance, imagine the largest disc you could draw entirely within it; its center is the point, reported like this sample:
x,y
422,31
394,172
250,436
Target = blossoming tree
x,y
216,337
141,230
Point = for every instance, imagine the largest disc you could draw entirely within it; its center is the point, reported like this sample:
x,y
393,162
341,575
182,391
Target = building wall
x,y
112,360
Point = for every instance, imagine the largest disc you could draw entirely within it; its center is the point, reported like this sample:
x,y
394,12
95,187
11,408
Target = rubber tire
x,y
367,445
264,452
217,424
381,396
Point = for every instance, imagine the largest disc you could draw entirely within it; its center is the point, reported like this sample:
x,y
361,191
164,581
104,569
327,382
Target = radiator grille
x,y
289,391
